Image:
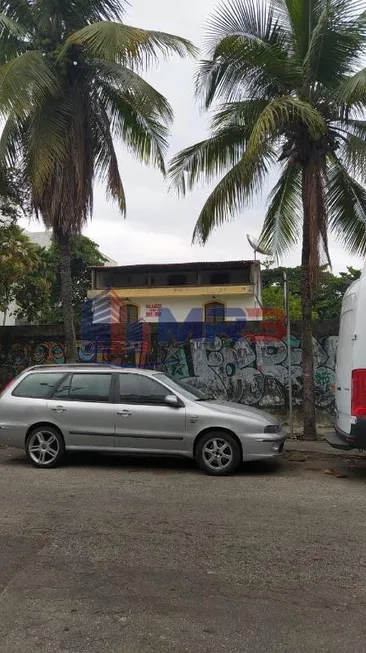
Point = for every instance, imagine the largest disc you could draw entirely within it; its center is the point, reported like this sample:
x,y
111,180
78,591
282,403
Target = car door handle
x,y
124,413
59,409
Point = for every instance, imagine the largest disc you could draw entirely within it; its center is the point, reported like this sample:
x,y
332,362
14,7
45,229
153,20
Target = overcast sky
x,y
159,226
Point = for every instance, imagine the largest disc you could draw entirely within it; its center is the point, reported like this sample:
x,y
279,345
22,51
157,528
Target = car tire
x,y
218,453
45,447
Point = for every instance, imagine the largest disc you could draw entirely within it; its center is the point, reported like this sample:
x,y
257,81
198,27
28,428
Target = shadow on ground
x,y
138,463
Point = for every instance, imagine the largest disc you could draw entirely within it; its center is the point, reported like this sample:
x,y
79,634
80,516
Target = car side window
x,y
38,385
85,387
139,389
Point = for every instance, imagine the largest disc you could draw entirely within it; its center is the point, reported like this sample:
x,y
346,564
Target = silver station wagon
x,y
49,410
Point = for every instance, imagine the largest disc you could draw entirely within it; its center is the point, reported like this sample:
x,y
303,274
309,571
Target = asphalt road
x,y
136,556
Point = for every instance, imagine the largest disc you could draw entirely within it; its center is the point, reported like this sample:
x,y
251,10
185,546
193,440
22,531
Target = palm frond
x,y
128,45
353,156
20,11
233,193
295,16
126,80
231,127
115,188
248,54
47,139
351,126
254,19
353,88
26,81
10,26
138,126
282,224
11,142
346,201
243,68
281,113
314,52
243,114
59,19
339,41
105,156
207,159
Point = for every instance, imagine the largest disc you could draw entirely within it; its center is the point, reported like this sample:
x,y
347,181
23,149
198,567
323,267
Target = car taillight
x,y
7,387
358,402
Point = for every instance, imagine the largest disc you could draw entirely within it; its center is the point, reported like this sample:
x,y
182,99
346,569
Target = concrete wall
x,y
10,317
246,363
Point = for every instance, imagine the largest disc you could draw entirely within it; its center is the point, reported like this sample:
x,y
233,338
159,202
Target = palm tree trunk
x,y
63,241
309,423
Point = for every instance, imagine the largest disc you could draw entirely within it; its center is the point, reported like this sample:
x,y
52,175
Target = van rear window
x,y
38,385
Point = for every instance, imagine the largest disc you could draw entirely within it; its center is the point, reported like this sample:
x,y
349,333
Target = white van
x,y
350,391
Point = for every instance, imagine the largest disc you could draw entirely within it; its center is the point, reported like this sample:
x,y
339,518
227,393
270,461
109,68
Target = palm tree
x,y
290,94
69,86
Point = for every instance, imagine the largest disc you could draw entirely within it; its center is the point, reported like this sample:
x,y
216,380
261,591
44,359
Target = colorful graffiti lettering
x,y
252,370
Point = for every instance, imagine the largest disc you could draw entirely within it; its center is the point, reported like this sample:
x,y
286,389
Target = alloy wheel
x,y
43,447
217,453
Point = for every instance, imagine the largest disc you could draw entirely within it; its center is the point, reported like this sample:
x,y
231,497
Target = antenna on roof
x,y
256,247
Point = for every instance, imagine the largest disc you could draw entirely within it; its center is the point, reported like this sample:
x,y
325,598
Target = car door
x,y
144,420
83,408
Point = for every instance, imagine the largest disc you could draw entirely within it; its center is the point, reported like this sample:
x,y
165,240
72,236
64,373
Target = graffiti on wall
x,y
19,355
251,369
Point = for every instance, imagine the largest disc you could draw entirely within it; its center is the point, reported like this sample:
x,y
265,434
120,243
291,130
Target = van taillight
x,y
358,402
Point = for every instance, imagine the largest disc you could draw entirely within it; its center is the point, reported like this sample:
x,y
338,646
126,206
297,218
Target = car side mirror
x,y
173,401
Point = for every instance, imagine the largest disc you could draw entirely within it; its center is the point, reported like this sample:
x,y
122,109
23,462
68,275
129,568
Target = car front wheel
x,y
218,453
45,447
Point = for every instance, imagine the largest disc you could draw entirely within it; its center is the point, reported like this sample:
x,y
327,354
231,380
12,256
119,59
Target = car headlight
x,y
272,428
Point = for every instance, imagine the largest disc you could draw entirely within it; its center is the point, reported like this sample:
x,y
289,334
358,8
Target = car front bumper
x,y
263,448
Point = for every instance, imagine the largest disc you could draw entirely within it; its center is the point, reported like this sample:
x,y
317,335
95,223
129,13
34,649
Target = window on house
x,y
129,313
215,312
177,280
219,278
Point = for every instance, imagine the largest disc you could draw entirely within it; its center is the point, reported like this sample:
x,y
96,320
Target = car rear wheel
x,y
45,447
218,453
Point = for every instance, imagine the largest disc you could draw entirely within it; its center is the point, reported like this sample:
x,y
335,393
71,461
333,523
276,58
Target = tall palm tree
x,y
69,86
289,90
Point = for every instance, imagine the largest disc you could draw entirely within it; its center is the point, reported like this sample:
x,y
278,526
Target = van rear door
x,y
344,363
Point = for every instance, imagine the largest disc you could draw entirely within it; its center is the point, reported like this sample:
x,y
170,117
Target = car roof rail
x,y
72,365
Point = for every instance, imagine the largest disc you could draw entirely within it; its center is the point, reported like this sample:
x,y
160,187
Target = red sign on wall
x,y
153,310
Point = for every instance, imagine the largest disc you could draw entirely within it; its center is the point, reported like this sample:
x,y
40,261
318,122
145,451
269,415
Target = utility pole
x,y
289,352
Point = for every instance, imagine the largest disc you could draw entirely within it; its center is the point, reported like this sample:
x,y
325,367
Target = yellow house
x,y
180,292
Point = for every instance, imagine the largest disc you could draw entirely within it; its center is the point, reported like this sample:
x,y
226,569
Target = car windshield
x,y
185,389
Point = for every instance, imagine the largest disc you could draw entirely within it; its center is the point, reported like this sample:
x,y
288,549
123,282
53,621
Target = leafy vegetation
x,y
17,256
327,300
36,288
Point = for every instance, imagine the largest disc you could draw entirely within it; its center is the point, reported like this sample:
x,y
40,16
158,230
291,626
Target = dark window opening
x,y
177,280
219,278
